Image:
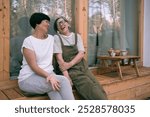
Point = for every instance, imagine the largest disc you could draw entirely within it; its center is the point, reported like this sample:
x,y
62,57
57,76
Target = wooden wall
x,y
4,39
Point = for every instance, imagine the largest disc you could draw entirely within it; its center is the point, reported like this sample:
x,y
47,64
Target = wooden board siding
x,y
131,87
4,39
135,93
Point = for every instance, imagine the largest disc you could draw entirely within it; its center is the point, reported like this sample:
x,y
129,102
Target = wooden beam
x,y
6,37
1,41
81,20
141,29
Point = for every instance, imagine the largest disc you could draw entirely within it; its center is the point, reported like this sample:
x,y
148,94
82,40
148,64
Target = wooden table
x,y
118,61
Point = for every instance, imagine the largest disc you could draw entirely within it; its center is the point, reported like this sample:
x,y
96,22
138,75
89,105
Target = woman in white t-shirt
x,y
36,75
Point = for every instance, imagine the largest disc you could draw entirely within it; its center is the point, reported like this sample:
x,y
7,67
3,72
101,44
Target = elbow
x,y
82,54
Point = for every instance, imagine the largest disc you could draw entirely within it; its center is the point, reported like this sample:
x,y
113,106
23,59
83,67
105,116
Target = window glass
x,y
21,10
112,24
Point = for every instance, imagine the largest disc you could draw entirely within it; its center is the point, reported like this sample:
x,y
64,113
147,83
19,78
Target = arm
x,y
31,60
77,58
66,74
60,62
66,65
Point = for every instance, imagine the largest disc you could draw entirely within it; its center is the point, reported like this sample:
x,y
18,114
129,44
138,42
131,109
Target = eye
x,y
47,21
61,22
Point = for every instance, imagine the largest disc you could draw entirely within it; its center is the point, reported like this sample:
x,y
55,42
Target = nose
x,y
61,23
48,24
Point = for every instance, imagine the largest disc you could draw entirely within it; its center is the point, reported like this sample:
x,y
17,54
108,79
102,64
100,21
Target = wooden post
x,y
4,39
1,41
141,29
81,20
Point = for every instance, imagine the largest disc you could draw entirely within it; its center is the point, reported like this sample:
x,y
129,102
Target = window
x,y
112,24
21,10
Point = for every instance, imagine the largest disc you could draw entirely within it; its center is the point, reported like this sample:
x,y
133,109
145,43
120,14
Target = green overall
x,y
83,80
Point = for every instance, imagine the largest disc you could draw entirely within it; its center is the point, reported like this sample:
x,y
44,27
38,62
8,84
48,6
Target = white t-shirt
x,y
67,40
44,52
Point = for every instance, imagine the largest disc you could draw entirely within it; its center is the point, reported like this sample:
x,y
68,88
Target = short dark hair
x,y
36,18
55,23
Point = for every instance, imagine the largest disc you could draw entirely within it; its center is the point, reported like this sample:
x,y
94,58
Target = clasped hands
x,y
66,65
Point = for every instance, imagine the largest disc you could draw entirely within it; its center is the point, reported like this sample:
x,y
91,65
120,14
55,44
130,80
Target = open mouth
x,y
62,27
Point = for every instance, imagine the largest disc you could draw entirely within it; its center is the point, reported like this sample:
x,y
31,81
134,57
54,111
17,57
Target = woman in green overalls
x,y
69,50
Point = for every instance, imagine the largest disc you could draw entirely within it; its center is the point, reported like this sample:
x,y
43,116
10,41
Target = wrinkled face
x,y
62,26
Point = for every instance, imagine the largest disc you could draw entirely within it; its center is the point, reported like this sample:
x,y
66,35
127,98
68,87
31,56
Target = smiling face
x,y
62,26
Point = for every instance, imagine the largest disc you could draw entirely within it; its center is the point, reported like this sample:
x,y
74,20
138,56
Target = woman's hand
x,y
65,73
66,66
54,82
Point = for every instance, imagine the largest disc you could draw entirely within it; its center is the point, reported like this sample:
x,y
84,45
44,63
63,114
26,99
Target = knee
x,y
63,80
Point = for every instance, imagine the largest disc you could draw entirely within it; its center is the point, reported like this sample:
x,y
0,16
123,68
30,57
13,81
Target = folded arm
x,y
67,65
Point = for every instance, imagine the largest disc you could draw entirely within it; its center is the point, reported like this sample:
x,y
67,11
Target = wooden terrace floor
x,y
130,88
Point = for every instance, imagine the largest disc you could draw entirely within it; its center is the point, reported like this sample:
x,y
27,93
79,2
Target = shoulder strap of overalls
x,y
62,44
76,38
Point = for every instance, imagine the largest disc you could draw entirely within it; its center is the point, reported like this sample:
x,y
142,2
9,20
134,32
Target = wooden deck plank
x,y
3,96
17,89
143,90
8,84
33,98
128,94
126,84
137,93
11,93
